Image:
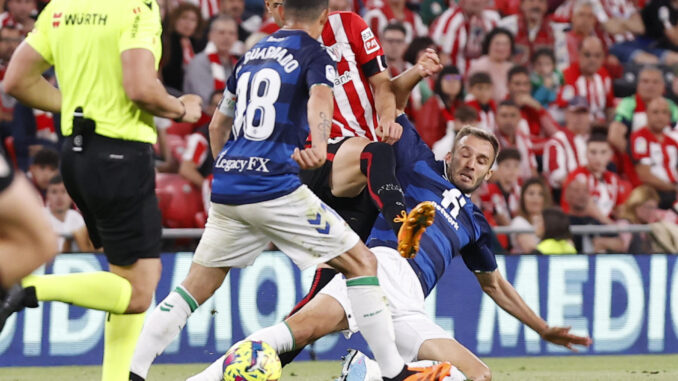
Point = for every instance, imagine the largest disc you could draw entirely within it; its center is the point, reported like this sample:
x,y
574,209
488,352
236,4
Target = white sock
x,y
214,372
278,336
374,321
163,325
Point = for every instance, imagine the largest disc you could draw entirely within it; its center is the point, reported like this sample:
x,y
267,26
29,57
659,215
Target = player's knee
x,y
366,263
381,151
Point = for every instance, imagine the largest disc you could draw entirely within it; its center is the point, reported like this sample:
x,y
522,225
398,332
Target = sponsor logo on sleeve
x,y
370,42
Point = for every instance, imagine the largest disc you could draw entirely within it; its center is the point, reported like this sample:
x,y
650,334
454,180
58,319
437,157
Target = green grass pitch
x,y
650,367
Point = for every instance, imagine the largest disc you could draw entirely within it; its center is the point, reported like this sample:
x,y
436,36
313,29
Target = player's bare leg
x,y
170,316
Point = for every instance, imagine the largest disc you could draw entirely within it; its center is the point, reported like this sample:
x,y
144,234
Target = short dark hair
x,y
305,10
418,44
556,224
479,133
508,153
518,69
46,157
494,33
598,135
395,25
57,179
438,87
479,78
466,114
543,52
508,103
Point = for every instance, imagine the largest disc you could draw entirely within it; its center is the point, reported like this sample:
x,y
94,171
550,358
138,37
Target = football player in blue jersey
x,y
280,90
459,229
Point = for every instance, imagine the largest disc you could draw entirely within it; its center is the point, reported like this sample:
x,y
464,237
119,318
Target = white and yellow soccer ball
x,y
252,361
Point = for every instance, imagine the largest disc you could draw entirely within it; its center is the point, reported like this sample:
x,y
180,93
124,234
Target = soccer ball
x,y
252,361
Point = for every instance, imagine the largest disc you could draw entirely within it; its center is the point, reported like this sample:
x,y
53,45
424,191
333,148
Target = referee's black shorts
x,y
359,211
113,184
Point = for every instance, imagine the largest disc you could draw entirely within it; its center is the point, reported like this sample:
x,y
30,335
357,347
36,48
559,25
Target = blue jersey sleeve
x,y
232,81
321,69
410,148
478,255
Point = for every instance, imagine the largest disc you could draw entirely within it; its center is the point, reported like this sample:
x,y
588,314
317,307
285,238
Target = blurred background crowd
x,y
580,93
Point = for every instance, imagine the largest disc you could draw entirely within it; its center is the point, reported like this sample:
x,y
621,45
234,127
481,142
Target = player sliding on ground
x,y
280,88
460,229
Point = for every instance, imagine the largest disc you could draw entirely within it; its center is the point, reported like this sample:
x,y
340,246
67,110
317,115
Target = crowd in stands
x,y
580,93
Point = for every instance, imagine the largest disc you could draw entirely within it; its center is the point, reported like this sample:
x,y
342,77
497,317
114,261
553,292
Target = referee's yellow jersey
x,y
83,39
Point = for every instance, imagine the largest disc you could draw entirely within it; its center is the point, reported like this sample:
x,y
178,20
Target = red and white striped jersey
x,y
486,113
564,152
528,160
607,192
660,156
461,38
597,90
197,149
604,10
378,18
358,54
208,8
495,201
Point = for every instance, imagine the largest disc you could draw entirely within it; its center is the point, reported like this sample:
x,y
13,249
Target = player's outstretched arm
x,y
320,109
428,64
24,80
384,102
506,297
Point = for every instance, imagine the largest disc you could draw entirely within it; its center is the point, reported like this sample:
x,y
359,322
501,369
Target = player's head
x,y
598,151
480,85
508,166
309,12
275,7
45,165
465,116
508,117
658,114
57,198
471,159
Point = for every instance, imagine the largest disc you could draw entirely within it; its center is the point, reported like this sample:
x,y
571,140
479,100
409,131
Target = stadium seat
x,y
179,201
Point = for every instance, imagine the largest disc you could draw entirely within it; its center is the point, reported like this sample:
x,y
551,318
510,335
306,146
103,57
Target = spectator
x,y
555,235
247,22
20,14
208,8
565,151
534,197
536,121
431,9
395,11
436,116
394,45
480,98
546,78
583,24
641,208
181,40
532,30
588,78
510,136
424,89
208,70
655,153
65,220
463,116
460,31
661,29
10,38
502,197
341,5
630,114
496,60
196,163
605,188
44,167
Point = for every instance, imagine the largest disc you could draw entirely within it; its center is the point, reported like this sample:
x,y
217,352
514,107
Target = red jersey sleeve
x,y
369,54
640,148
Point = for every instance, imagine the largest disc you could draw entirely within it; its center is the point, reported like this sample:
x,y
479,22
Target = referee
x,y
105,55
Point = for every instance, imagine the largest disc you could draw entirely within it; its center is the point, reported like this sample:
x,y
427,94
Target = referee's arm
x,y
24,80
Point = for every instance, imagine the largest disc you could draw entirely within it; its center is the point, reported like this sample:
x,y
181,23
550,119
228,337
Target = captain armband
x,y
227,104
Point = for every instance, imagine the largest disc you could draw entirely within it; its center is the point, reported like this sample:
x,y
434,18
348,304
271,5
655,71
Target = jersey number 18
x,y
263,93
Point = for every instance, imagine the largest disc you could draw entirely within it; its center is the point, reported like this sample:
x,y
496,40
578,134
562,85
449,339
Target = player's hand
x,y
527,100
309,158
562,336
390,132
193,104
429,63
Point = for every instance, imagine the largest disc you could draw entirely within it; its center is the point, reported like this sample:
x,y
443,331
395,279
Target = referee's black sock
x,y
134,377
323,276
377,163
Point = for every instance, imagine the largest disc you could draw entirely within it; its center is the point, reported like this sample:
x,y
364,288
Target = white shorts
x,y
406,301
299,224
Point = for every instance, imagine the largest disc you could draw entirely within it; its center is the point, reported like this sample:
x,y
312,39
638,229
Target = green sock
x,y
120,339
99,290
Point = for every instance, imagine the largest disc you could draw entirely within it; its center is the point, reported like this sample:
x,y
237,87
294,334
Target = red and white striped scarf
x,y
187,52
218,71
